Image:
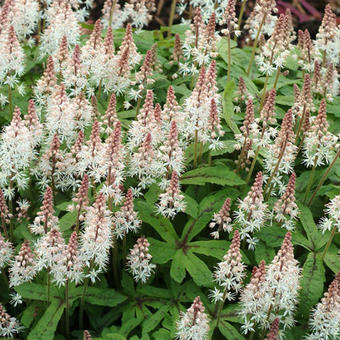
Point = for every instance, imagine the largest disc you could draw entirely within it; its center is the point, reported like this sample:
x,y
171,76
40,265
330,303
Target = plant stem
x,y
324,177
300,123
172,16
220,307
114,261
195,148
274,172
82,303
112,11
48,286
255,45
310,182
67,316
278,72
10,101
240,17
329,242
253,164
264,91
229,57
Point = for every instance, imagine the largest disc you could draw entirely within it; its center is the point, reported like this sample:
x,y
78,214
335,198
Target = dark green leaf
x,y
229,331
177,269
161,252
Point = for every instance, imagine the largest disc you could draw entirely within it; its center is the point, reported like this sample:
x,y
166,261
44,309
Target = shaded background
x,y
306,13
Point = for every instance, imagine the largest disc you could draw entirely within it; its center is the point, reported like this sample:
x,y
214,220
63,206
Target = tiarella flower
x,y
244,142
194,323
143,77
68,264
87,335
96,238
16,299
16,152
115,165
6,252
5,215
171,151
274,330
230,272
62,21
81,199
139,261
252,211
177,52
280,156
24,16
333,215
199,46
285,209
145,165
221,220
45,219
251,298
84,112
60,116
329,83
125,219
171,202
319,142
325,320
274,52
92,155
12,57
280,289
229,18
33,124
23,267
111,118
327,39
171,110
262,14
47,83
307,50
48,249
9,326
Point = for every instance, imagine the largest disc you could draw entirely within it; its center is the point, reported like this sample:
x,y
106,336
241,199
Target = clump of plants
x,y
168,184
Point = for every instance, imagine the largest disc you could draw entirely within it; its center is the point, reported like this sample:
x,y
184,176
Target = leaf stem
x,y
310,182
67,312
240,17
172,16
329,242
255,44
229,58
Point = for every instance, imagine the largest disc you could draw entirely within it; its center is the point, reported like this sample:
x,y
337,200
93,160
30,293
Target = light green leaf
x,y
161,224
191,207
263,252
313,278
47,325
229,331
177,269
198,270
228,106
220,174
161,252
215,248
152,322
332,259
68,220
227,147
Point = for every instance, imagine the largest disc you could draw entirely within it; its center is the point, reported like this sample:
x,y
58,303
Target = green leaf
x,y
313,278
99,296
161,224
162,334
35,291
299,239
313,234
130,325
154,292
28,315
191,207
332,259
198,270
232,313
152,195
68,220
47,325
272,236
227,147
228,106
229,331
215,248
220,175
263,252
161,252
285,100
152,322
177,269
207,207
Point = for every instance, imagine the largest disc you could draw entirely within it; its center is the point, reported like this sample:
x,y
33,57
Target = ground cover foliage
x,y
168,184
